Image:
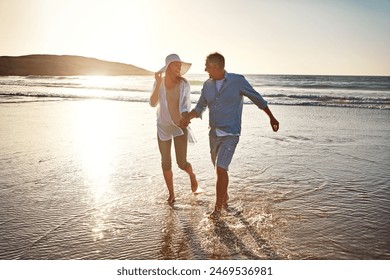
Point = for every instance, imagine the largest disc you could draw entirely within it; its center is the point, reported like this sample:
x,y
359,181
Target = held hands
x,y
185,120
183,123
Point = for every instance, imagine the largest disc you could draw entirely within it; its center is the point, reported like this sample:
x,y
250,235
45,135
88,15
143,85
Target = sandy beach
x,y
81,179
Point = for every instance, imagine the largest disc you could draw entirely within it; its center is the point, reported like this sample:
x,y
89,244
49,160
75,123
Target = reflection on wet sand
x,y
187,233
82,180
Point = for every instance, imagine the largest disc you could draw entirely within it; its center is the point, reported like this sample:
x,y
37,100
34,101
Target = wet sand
x,y
82,180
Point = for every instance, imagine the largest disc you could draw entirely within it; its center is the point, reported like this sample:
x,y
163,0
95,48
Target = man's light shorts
x,y
222,150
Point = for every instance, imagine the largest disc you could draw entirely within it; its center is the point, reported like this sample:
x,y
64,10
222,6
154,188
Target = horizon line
x,y
270,74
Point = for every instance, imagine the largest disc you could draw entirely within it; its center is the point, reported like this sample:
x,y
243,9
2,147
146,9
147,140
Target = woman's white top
x,y
166,128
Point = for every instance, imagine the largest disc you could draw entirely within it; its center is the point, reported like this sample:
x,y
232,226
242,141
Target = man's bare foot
x,y
216,214
171,199
194,183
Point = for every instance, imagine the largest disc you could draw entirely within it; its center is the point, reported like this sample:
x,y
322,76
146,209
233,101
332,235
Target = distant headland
x,y
64,65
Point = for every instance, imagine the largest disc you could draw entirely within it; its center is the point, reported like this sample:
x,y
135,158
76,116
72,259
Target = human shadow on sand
x,y
234,242
179,240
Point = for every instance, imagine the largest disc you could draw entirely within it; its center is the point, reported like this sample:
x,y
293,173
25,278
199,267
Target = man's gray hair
x,y
216,59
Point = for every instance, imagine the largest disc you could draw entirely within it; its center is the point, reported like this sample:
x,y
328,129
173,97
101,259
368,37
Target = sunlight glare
x,y
96,144
99,81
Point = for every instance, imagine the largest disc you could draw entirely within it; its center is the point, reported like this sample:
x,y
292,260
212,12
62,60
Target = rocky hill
x,y
64,65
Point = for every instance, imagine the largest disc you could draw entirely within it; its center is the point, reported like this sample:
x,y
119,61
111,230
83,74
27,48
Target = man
x,y
223,95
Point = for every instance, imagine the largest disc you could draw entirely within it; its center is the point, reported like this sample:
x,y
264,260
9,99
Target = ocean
x,y
335,91
80,174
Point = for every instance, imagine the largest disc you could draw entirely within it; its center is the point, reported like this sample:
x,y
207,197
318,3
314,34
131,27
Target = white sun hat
x,y
185,66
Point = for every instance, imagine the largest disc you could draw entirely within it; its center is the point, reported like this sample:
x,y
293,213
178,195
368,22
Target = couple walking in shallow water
x,y
223,95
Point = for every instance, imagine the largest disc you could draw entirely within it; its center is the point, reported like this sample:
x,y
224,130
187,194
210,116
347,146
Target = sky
x,y
319,37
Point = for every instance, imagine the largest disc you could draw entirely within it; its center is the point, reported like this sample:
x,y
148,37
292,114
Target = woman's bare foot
x,y
194,183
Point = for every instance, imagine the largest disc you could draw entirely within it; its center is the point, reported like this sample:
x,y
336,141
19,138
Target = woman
x,y
172,95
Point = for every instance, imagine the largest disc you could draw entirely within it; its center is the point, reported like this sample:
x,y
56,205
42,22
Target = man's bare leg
x,y
225,204
168,176
221,192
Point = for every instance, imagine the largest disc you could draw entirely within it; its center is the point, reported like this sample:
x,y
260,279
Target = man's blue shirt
x,y
225,106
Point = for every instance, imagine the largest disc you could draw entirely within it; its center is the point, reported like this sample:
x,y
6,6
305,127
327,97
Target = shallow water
x,y
82,180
